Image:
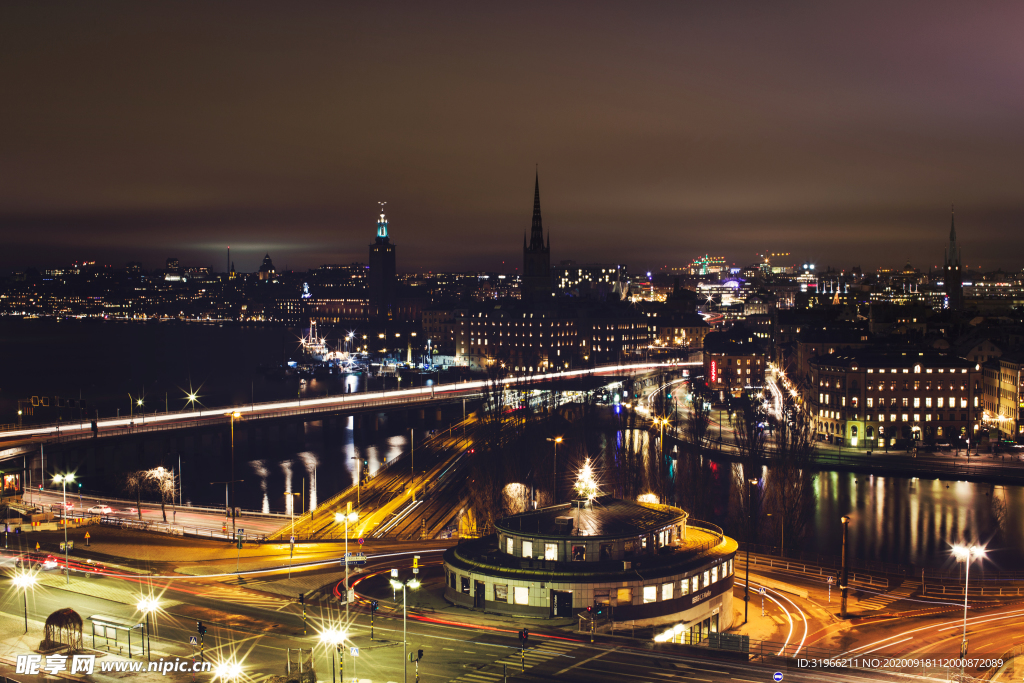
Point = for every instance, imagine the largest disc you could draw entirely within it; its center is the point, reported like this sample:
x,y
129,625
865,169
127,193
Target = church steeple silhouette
x,y
536,281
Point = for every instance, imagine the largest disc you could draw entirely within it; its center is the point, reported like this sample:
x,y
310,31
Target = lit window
x,y
684,587
650,594
928,402
906,417
714,574
706,580
510,546
666,591
550,551
522,595
528,549
871,402
940,402
624,596
917,402
696,584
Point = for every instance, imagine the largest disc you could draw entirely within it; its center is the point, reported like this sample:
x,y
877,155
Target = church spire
x,y
537,230
952,225
382,224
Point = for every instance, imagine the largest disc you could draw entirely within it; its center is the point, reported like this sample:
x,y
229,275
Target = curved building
x,y
648,564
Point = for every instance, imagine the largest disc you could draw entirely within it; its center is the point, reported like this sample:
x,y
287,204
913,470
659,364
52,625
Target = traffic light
x,y
302,598
373,605
419,654
589,609
200,629
526,635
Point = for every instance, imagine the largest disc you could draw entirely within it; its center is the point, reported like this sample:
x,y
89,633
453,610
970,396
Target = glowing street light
x,y
554,470
412,583
337,638
147,605
229,670
24,581
341,517
966,554
63,480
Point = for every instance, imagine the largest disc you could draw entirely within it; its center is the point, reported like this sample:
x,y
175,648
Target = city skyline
x,y
838,134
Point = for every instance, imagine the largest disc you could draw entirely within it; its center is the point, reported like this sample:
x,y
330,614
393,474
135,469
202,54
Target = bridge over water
x,y
17,442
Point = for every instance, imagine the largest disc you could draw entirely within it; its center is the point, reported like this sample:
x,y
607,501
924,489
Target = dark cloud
x,y
840,133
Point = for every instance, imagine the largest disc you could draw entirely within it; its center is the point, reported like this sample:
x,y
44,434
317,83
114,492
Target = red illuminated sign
x,y
714,371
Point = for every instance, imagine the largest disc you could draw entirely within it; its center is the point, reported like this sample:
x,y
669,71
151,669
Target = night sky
x,y
839,132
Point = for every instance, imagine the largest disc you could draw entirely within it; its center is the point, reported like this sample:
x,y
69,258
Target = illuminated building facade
x,y
648,564
884,399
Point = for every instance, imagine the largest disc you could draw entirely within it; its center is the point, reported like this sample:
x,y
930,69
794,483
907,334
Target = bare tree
x,y
164,482
136,482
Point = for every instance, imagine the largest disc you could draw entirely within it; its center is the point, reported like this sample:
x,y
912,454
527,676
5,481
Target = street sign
x,y
354,651
360,541
777,676
763,590
192,640
831,580
87,535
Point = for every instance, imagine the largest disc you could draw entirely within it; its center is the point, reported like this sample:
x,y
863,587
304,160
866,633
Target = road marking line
x,y
600,654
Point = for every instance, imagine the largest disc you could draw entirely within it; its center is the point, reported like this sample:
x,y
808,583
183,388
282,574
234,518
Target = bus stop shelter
x,y
111,628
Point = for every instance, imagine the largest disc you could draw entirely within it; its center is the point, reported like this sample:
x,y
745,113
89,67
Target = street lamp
x,y
412,583
23,581
337,638
231,503
843,582
554,471
965,554
746,589
147,605
63,480
340,517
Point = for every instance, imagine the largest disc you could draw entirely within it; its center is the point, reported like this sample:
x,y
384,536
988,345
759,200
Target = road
x,y
256,628
179,516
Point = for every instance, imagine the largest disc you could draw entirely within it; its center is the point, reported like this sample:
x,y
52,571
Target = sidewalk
x,y
22,644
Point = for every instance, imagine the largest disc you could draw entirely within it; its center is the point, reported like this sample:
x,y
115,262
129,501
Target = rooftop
x,y
607,517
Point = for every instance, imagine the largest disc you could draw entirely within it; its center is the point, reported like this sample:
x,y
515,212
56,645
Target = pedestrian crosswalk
x,y
906,589
516,662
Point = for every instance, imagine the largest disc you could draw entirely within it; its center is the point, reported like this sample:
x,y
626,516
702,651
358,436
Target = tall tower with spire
x,y
952,272
382,276
536,283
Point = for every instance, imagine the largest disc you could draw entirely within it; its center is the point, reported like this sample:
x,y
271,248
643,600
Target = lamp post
x,y
843,579
412,583
346,518
337,638
147,605
554,471
291,508
746,588
24,581
965,554
231,503
63,480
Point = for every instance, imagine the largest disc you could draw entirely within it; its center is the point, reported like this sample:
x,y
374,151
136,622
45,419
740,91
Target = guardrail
x,y
777,564
833,562
984,591
165,527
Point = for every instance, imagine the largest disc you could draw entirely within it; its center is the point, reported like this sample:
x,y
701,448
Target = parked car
x,y
100,510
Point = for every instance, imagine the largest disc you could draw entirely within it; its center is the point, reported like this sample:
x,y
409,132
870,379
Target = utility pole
x,y
843,581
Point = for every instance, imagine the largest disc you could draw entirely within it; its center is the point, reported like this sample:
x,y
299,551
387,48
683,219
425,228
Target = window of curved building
x,y
666,591
684,587
624,596
714,574
521,595
650,594
510,545
528,549
550,551
706,579
696,583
